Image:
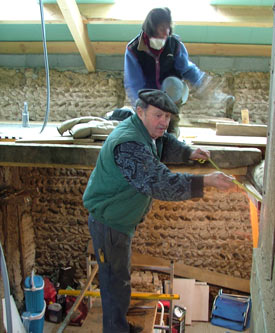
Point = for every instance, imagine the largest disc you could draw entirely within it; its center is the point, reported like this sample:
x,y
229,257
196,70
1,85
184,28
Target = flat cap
x,y
159,99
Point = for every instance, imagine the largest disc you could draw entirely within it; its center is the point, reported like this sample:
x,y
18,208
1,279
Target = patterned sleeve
x,y
151,177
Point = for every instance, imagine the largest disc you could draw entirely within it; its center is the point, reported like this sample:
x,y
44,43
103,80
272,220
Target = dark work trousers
x,y
113,254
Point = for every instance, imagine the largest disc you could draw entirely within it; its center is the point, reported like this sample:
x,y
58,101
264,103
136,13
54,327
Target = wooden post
x,y
245,116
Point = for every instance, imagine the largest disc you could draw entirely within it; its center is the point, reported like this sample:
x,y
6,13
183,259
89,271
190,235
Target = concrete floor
x,y
93,324
196,327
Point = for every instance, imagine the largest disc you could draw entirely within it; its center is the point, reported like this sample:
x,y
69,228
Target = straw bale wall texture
x,y
77,94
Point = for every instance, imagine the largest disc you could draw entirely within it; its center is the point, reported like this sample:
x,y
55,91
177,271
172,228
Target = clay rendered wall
x,y
75,94
212,233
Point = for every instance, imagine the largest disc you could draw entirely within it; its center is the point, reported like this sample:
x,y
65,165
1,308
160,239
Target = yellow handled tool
x,y
134,295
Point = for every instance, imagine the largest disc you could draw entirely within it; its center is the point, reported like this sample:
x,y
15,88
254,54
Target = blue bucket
x,y
34,293
34,322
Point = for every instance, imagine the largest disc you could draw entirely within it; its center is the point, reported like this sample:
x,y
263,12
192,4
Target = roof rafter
x,y
79,32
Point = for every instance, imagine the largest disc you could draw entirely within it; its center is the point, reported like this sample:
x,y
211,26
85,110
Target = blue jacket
x,y
143,69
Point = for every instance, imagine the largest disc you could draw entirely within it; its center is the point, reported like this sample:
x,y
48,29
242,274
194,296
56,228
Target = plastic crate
x,y
34,322
34,293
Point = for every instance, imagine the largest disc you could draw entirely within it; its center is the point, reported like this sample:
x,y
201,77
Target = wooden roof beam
x,y
79,32
111,48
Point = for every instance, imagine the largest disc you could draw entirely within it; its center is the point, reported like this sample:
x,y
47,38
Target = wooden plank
x,y
220,49
199,274
12,248
243,141
194,296
199,121
200,302
37,47
79,32
62,140
57,140
185,288
110,48
47,165
27,239
202,170
241,129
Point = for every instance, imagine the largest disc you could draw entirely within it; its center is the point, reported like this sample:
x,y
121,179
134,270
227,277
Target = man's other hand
x,y
200,154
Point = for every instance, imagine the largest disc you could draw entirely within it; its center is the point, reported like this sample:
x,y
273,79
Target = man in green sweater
x,y
129,173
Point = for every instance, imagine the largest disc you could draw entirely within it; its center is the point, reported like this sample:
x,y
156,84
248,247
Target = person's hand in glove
x,y
207,87
204,88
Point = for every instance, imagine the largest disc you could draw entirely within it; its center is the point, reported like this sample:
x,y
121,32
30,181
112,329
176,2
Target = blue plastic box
x,y
34,293
34,322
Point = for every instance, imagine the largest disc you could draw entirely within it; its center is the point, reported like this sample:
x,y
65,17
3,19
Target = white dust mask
x,y
157,43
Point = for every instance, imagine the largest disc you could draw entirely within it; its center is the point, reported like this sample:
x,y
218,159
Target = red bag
x,y
49,291
80,313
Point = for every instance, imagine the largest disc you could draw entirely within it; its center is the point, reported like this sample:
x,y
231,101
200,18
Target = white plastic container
x,y
54,312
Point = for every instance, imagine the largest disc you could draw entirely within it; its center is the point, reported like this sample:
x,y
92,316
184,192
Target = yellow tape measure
x,y
234,180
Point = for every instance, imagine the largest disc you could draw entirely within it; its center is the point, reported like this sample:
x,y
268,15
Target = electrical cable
x,y
46,66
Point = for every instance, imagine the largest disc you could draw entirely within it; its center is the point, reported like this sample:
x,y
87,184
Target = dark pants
x,y
113,254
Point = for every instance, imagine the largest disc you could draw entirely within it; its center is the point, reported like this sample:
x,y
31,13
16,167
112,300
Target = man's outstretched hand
x,y
219,180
